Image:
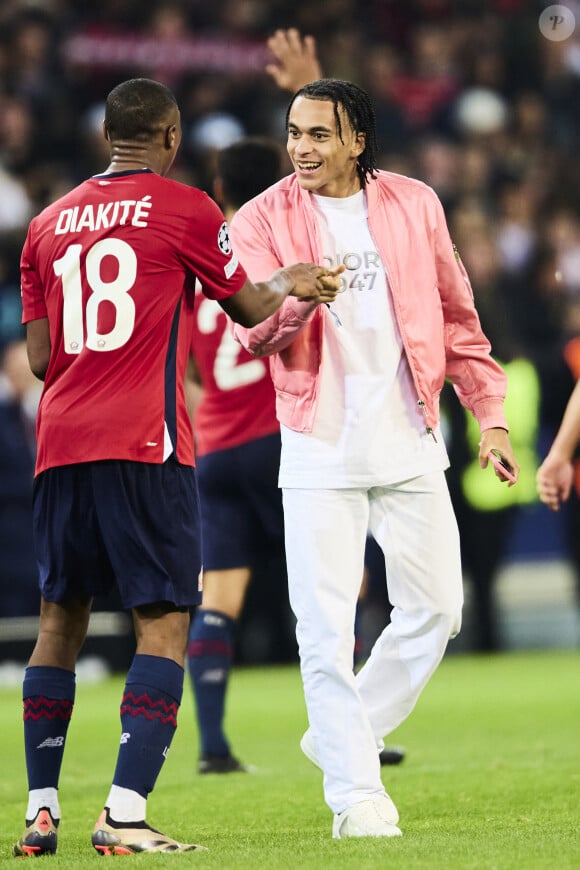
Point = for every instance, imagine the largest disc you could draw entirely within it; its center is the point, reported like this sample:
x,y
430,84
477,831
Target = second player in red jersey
x,y
238,401
238,456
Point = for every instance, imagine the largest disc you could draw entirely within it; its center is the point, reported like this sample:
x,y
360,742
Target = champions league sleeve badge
x,y
225,246
223,239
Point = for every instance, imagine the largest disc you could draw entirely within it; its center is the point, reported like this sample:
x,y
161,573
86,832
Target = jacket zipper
x,y
429,429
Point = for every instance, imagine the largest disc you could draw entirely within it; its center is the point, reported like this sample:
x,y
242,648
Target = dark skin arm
x,y
252,304
38,346
255,302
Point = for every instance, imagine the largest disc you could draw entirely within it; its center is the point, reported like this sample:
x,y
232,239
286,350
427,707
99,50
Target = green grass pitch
x,y
491,780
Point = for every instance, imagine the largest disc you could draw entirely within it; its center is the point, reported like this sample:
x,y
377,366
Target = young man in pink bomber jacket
x,y
357,390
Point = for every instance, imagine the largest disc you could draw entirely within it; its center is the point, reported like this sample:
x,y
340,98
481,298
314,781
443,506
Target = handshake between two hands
x,y
314,283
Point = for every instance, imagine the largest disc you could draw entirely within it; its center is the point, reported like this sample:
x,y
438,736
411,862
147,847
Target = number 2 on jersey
x,y
227,371
116,292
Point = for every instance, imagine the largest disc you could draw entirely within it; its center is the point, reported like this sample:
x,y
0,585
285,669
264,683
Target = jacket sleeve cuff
x,y
490,415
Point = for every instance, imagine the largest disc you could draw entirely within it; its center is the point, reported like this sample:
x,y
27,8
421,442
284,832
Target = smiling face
x,y
324,163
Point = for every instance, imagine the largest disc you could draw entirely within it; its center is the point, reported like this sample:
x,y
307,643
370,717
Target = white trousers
x,y
414,524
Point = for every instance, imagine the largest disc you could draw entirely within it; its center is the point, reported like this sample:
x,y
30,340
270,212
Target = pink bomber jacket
x,y
432,296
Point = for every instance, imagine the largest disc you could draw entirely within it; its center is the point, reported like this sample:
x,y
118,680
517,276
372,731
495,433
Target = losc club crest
x,y
223,239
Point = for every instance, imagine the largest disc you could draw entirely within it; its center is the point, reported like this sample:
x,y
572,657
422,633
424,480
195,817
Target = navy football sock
x,y
209,657
149,710
48,696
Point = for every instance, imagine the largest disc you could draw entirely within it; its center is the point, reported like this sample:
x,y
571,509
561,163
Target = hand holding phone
x,y
500,465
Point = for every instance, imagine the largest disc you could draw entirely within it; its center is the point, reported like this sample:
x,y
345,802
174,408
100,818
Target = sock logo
x,y
125,737
213,619
165,752
214,676
51,742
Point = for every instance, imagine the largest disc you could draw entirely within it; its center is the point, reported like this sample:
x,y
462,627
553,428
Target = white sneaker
x,y
380,812
373,818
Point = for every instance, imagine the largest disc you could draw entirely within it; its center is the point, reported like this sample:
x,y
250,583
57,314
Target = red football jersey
x,y
113,265
238,400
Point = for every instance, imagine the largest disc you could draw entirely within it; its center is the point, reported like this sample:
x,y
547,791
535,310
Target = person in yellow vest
x,y
485,512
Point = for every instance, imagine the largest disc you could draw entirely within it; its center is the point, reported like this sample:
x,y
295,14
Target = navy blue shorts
x,y
135,525
241,504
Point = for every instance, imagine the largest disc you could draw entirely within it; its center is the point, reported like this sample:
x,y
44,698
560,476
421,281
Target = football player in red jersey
x,y
237,461
108,274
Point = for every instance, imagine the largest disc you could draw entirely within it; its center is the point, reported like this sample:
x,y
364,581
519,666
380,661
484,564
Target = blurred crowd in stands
x,y
470,97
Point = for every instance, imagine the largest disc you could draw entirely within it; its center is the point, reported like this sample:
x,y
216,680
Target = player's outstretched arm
x,y
556,473
296,62
307,281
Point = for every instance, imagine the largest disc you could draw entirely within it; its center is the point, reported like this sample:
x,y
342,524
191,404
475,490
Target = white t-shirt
x,y
369,429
